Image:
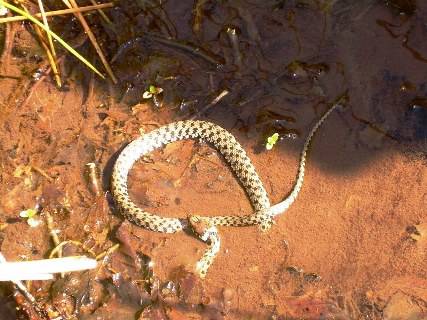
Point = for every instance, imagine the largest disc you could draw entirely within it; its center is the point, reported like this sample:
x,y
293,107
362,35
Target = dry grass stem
x,y
101,13
42,39
63,243
49,37
92,38
60,12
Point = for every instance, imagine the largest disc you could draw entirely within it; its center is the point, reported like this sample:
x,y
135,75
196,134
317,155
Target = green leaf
x,y
29,213
271,141
154,90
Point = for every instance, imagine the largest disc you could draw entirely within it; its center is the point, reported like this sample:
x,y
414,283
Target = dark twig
x,y
8,45
32,85
217,99
174,43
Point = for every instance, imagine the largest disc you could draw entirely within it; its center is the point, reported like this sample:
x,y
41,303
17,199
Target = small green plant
x,y
30,215
271,141
151,92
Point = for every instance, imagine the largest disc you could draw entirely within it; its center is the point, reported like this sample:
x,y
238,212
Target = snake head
x,y
199,225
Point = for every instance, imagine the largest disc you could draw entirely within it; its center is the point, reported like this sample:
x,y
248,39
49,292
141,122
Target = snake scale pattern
x,y
234,155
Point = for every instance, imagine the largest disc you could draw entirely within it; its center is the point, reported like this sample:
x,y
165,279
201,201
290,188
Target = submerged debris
x,y
92,173
263,70
407,7
418,233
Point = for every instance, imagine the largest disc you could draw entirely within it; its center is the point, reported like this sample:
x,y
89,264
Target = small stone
x,y
312,277
293,270
228,295
254,269
169,293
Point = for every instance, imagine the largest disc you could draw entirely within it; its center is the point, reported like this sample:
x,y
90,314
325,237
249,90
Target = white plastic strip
x,y
43,269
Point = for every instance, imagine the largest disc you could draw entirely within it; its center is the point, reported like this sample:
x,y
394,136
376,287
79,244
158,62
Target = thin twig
x,y
63,243
7,76
93,176
52,230
30,311
217,99
50,56
197,51
42,172
34,84
177,182
198,15
54,234
92,38
60,12
232,35
50,51
49,37
7,47
101,13
107,252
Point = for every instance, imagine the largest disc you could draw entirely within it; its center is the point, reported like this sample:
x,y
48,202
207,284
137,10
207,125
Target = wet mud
x,y
353,245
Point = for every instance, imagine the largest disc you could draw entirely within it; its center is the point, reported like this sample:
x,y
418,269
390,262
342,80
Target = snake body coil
x,y
236,158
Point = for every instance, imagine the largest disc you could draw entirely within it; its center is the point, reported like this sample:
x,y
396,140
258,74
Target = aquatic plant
x,y
271,141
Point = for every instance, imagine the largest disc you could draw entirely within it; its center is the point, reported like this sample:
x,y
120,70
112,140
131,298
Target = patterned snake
x,y
236,158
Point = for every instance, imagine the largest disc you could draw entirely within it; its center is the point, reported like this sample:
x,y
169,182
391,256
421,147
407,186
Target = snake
x,y
205,227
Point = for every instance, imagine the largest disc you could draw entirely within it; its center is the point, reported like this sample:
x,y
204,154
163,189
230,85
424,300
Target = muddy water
x,y
354,243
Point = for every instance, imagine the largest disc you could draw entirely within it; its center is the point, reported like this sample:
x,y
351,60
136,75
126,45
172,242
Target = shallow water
x,y
355,237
